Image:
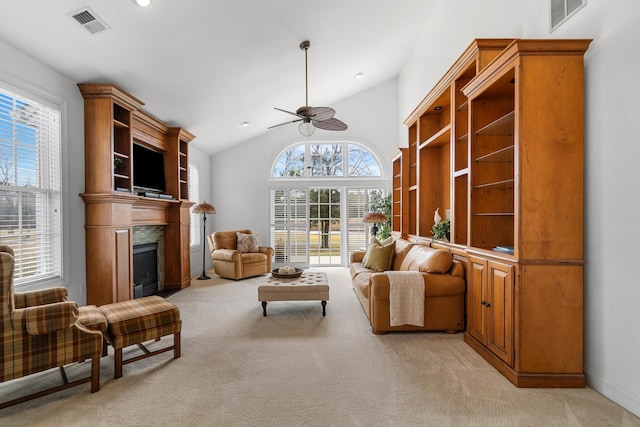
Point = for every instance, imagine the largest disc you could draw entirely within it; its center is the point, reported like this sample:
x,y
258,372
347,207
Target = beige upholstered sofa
x,y
443,281
233,262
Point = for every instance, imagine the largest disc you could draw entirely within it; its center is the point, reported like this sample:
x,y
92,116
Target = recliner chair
x,y
231,263
39,330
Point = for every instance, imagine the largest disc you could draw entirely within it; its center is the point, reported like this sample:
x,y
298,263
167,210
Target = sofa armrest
x,y
40,297
45,319
266,250
357,256
225,255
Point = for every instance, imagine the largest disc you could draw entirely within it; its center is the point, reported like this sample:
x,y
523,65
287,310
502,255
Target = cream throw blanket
x,y
406,298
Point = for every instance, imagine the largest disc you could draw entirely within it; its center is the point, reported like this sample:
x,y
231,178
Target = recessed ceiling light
x,y
244,124
358,76
142,3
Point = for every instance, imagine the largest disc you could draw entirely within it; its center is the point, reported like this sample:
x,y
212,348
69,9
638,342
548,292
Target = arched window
x,y
326,160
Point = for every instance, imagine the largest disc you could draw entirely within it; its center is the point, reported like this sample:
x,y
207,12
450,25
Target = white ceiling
x,y
209,65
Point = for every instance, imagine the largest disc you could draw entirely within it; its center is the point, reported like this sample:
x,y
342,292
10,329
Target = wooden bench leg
x,y
95,374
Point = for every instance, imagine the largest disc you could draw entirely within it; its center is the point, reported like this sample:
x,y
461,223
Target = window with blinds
x,y
30,199
194,195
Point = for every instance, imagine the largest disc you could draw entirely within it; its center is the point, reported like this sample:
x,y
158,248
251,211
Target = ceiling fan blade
x,y
290,112
285,123
330,124
320,113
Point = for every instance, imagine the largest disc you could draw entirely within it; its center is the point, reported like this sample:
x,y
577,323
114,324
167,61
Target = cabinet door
x,y
500,310
477,299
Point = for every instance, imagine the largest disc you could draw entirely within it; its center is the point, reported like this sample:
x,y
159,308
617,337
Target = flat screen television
x,y
148,169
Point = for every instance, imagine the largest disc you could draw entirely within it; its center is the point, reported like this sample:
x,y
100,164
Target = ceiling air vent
x,y
89,20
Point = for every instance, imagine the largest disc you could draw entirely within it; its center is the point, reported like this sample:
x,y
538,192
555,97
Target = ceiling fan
x,y
311,118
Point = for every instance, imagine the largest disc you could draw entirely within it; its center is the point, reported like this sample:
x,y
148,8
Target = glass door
x,y
325,231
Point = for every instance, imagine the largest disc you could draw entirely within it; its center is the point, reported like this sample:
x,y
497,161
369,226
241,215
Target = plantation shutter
x,y
289,224
357,208
30,205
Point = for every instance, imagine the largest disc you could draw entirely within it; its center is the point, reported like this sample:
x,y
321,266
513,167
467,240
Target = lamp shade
x,y
374,217
204,208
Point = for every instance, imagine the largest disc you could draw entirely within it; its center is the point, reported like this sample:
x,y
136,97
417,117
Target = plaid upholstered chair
x,y
237,255
39,330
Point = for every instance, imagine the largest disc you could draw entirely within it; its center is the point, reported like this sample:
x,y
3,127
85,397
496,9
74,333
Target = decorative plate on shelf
x,y
276,273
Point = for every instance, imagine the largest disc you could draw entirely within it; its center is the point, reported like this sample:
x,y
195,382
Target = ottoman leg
x,y
324,305
176,345
118,363
264,308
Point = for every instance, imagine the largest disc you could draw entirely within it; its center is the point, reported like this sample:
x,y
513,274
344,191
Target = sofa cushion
x,y
227,239
426,259
379,258
247,242
402,248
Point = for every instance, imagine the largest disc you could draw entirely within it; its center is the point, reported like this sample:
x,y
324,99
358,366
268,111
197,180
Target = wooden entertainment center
x,y
114,125
498,145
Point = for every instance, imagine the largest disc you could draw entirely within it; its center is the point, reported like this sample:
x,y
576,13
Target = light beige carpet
x,y
296,368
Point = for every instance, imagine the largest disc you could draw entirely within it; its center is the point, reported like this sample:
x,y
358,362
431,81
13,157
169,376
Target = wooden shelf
x,y
507,183
119,124
500,126
439,139
501,155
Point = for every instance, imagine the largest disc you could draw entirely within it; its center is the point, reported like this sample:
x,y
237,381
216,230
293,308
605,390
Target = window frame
x,y
308,167
54,193
194,195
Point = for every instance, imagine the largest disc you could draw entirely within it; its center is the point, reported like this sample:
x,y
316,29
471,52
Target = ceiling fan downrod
x,y
305,46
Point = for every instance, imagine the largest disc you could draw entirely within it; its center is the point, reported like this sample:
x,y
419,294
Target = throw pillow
x,y
374,243
380,257
247,242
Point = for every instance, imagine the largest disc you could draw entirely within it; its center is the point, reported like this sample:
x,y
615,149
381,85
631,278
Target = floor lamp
x,y
374,218
204,208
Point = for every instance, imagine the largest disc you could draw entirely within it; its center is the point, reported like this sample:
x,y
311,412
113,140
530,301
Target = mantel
x,y
144,210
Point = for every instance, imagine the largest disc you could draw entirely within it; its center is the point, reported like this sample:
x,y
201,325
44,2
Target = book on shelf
x,y
504,249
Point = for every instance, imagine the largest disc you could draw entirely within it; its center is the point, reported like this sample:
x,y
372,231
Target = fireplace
x,y
145,270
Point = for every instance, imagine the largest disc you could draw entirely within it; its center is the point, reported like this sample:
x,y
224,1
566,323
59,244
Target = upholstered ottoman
x,y
311,286
138,320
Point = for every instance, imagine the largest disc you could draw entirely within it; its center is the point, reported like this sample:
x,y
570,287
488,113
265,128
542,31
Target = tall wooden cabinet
x,y
500,147
113,206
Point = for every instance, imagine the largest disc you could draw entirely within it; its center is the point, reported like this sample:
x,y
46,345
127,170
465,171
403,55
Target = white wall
x,y
612,294
239,175
24,72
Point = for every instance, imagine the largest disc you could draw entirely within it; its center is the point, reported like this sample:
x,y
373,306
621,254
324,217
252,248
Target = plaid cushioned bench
x,y
138,320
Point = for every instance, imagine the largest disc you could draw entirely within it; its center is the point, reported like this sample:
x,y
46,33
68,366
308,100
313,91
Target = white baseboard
x,y
618,394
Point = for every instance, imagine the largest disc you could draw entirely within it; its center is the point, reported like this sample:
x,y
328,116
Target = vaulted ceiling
x,y
209,65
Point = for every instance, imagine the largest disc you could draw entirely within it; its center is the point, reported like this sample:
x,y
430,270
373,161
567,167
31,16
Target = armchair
x,y
39,330
231,263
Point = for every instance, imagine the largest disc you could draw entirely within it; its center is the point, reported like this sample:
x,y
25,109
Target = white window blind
x,y
194,196
30,206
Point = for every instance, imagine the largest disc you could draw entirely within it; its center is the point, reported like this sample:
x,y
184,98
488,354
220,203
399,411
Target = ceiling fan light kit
x,y
311,118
